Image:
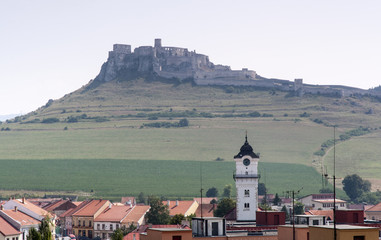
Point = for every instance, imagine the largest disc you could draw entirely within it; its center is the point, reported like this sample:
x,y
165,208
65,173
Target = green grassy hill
x,y
97,139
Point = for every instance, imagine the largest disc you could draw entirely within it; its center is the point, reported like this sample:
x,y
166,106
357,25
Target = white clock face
x,y
246,162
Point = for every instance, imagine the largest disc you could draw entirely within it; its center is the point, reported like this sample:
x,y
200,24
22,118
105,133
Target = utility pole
x,y
334,183
293,210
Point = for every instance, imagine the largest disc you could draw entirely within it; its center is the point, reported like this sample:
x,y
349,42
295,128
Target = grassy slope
x,y
279,139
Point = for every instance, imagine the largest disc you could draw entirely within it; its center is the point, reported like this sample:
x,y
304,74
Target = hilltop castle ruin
x,y
180,63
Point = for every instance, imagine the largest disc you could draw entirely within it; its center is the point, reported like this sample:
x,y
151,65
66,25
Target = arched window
x,y
247,193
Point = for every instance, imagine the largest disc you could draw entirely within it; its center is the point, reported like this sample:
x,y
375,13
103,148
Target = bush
x,y
267,115
184,122
50,120
254,114
305,114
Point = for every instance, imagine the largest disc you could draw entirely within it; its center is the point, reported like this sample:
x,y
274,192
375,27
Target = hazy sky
x,y
50,48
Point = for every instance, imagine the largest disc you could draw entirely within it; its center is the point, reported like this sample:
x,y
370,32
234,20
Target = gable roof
x,y
136,213
70,212
23,204
178,207
20,217
375,208
114,213
52,206
207,210
91,208
205,200
327,213
125,200
6,228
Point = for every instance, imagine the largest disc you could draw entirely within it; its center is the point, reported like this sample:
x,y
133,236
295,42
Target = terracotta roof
x,y
124,200
204,200
21,217
34,208
113,214
327,213
91,208
6,228
375,208
73,210
178,207
207,210
54,205
137,212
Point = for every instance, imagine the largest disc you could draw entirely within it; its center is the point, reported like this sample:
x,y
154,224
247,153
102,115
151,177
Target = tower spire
x,y
246,137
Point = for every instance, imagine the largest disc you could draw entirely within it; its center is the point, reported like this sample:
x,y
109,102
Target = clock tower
x,y
246,182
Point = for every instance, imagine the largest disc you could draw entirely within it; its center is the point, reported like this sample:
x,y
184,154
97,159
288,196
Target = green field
x,y
108,134
174,179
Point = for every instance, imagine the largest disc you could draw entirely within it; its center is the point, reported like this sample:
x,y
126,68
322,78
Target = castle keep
x,y
180,63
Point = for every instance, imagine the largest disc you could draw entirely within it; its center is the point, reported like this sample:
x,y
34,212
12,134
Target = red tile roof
x,y
204,200
34,208
178,207
54,205
113,214
91,208
124,200
207,210
21,217
327,213
7,229
136,213
70,212
375,208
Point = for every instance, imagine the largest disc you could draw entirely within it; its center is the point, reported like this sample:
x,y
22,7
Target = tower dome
x,y
246,149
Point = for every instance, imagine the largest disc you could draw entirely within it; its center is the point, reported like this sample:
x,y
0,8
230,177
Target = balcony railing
x,y
235,176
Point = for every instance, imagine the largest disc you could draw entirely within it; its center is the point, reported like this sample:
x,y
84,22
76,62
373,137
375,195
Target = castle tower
x,y
246,182
157,43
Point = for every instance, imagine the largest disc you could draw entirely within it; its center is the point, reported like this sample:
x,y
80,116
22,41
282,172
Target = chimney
x,y
1,207
177,203
109,205
15,208
168,202
23,200
130,205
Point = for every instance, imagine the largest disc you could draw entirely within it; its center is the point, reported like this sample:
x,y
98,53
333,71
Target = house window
x,y
246,173
176,237
103,226
247,193
358,237
79,232
111,227
79,222
84,223
98,226
103,235
247,205
89,223
117,226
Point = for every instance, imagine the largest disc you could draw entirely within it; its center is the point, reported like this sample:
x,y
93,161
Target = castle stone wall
x,y
175,62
